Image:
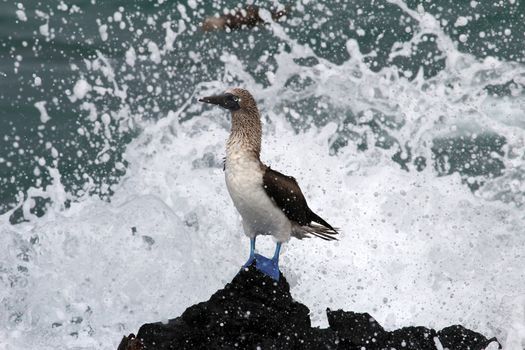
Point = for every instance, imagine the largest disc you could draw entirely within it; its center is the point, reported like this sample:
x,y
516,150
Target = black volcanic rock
x,y
459,337
253,311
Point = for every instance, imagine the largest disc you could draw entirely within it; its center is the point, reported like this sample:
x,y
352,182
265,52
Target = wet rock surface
x,y
255,312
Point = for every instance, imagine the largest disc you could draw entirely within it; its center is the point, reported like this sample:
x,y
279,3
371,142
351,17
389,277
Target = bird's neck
x,y
245,135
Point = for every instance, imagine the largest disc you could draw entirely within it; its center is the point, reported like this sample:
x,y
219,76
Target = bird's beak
x,y
219,100
226,100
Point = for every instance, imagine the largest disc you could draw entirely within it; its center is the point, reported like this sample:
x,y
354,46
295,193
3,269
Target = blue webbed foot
x,y
250,261
269,267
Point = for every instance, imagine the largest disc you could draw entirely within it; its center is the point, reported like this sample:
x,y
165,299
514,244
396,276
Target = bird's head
x,y
235,99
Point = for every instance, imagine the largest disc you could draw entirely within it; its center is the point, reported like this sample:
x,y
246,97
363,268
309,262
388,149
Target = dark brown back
x,y
287,195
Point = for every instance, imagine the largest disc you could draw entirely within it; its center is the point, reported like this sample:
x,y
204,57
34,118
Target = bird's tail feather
x,y
315,230
316,218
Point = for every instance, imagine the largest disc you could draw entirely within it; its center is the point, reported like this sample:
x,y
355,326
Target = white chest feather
x,y
260,215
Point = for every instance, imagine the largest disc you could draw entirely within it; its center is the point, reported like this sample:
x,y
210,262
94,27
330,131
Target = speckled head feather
x,y
246,123
246,100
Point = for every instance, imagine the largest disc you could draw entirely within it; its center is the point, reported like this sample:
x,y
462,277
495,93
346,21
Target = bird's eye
x,y
236,99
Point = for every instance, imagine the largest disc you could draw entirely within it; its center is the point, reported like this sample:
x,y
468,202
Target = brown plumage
x,y
246,123
247,17
287,195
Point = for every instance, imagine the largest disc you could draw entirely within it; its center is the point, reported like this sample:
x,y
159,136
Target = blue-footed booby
x,y
270,203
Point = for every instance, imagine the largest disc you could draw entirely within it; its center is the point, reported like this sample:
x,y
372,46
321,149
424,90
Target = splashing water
x,y
369,148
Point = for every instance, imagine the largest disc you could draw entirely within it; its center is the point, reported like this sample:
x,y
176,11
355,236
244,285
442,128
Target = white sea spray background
x,y
415,248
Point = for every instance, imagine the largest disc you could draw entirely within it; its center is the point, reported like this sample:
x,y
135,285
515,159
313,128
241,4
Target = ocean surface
x,y
403,121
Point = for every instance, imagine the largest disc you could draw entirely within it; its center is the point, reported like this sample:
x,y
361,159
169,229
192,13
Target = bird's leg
x,y
277,252
267,266
251,259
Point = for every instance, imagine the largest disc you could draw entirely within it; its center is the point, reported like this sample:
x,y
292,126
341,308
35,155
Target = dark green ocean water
x,y
45,46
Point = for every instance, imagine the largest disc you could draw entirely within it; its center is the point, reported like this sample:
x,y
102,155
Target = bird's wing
x,y
287,195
